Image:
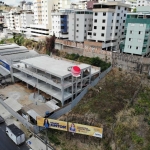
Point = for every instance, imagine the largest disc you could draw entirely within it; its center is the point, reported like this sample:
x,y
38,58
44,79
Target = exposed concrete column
x,y
72,88
81,79
62,90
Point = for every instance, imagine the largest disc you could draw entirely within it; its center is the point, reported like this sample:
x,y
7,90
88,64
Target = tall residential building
x,y
17,21
138,32
60,23
27,18
42,15
108,24
143,3
80,22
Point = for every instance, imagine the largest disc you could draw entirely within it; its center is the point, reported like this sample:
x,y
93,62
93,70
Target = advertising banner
x,y
51,123
86,130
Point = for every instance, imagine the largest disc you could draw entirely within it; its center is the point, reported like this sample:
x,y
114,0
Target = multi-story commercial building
x,y
52,76
143,3
60,23
108,24
138,32
80,22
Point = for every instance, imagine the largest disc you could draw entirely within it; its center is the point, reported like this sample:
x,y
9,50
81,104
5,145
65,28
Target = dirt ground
x,y
20,89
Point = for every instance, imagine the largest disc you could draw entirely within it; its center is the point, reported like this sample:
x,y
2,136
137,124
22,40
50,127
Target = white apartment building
x,y
143,3
108,24
27,18
80,22
28,6
17,22
60,23
82,4
42,15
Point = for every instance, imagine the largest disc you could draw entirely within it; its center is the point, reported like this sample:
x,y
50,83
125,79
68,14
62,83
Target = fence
x,y
71,105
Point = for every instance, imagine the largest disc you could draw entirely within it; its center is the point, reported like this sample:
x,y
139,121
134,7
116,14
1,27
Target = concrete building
x,y
10,54
82,4
108,24
28,6
60,23
52,76
42,15
27,18
80,22
143,3
17,22
138,32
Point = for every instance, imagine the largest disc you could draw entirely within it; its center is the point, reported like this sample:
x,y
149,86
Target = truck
x,y
15,134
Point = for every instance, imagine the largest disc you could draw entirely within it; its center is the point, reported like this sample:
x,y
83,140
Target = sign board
x,y
71,127
5,65
85,129
51,123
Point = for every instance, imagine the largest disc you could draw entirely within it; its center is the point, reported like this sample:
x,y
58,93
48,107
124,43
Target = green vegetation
x,y
95,61
112,104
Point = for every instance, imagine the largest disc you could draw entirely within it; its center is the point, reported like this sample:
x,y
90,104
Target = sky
x,y
16,2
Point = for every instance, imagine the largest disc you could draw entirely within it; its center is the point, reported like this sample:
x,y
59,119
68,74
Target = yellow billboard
x,y
84,129
51,123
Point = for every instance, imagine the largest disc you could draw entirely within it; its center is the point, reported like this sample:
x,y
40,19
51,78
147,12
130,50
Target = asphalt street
x,y
6,143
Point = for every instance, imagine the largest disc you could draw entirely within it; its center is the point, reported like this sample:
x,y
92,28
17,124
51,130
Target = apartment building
x,y
28,6
82,4
137,32
27,18
42,15
108,24
17,22
60,23
80,22
143,3
52,76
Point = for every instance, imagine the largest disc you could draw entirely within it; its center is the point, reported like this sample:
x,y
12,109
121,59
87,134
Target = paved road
x,y
6,143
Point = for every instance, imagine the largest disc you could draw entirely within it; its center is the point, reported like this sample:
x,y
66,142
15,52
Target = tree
x,y
50,44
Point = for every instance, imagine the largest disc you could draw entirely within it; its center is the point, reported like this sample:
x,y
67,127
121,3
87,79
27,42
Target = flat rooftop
x,y
53,65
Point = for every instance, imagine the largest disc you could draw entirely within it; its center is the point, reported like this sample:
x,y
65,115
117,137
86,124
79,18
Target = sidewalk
x,y
36,144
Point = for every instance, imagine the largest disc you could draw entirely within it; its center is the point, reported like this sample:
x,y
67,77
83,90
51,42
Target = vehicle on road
x,y
15,134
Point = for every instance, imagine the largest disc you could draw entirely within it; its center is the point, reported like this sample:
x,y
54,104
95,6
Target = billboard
x,y
51,123
70,127
85,129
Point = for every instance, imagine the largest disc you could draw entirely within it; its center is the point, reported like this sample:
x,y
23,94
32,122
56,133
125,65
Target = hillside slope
x,y
121,105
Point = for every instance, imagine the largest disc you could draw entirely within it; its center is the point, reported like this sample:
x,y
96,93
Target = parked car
x,y
1,120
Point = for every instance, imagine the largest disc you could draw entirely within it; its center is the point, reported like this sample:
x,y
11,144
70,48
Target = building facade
x,y
80,22
108,24
138,32
143,3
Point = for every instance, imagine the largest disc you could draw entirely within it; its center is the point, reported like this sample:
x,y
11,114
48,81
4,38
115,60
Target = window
x,y
94,34
117,21
116,27
130,39
96,14
85,25
110,34
115,34
76,36
122,33
123,21
103,21
131,32
77,19
112,14
112,21
77,25
118,7
102,34
137,47
84,31
111,27
95,27
118,14
124,15
103,28
125,9
130,47
104,14
140,32
85,19
122,27
77,31
95,20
